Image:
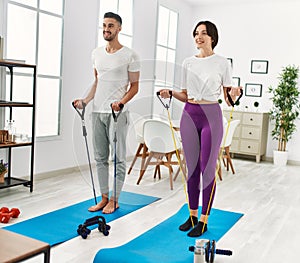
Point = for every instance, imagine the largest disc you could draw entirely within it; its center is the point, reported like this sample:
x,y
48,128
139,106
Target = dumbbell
x,y
102,226
205,251
6,214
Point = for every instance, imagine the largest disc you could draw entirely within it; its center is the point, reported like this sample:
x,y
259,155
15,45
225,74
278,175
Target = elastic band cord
x,y
180,167
218,167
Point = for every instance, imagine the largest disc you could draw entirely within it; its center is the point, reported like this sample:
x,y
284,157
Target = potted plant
x,y
3,171
285,110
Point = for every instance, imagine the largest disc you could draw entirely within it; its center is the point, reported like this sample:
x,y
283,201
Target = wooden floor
x,y
269,197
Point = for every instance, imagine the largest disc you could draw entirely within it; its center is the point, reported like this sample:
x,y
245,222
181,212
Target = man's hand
x,y
117,105
78,103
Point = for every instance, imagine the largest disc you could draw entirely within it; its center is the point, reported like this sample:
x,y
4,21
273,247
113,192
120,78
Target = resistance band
x,y
81,114
115,117
232,103
167,106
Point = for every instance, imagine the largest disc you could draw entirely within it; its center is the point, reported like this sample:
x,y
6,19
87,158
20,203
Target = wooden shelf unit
x,y
11,181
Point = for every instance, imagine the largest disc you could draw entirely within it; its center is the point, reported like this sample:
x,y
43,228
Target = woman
x,y
201,125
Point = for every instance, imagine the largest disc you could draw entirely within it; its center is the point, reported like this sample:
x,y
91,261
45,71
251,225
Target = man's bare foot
x,y
110,207
99,206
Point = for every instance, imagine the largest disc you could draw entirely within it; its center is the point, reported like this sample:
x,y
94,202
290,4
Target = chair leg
x,y
182,168
144,156
141,146
229,162
169,158
145,167
157,170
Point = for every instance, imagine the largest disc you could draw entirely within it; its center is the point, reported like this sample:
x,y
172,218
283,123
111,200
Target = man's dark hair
x,y
114,16
212,31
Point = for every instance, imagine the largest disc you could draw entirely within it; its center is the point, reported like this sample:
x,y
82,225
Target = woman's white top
x,y
203,78
113,80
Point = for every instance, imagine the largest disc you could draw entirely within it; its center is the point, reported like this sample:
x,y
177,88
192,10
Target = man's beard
x,y
108,37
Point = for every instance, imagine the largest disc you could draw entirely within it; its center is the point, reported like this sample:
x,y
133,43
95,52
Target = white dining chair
x,y
161,145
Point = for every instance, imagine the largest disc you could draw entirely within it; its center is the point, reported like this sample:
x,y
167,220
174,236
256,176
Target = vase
x,y
280,158
2,177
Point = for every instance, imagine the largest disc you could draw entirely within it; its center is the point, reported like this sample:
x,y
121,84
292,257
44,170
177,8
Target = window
x,y
165,52
36,40
124,9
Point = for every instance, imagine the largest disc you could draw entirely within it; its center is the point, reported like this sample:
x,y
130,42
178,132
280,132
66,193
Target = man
x,y
116,70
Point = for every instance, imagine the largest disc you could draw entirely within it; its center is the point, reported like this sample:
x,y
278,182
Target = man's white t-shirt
x,y
113,79
203,78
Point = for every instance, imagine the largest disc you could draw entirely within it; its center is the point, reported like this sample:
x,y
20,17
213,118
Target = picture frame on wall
x,y
259,66
230,60
236,81
253,90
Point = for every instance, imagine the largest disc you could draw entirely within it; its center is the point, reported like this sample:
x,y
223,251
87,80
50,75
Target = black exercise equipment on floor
x,y
205,251
84,231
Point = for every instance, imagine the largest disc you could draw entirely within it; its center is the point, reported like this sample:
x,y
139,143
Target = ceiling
x,y
199,2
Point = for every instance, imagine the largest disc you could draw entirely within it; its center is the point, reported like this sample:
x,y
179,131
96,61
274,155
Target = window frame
x,y
100,28
164,83
58,77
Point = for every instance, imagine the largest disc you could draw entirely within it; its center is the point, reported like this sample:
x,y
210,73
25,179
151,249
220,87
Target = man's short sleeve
x,y
135,64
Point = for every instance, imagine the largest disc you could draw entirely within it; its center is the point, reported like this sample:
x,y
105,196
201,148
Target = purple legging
x,y
201,129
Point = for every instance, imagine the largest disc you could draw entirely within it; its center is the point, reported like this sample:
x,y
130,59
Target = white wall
x,y
247,31
264,31
80,29
80,38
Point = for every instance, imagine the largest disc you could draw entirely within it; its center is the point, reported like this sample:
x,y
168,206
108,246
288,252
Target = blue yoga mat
x,y
165,243
61,225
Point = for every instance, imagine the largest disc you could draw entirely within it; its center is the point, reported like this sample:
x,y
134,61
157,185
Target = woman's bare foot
x,y
110,207
99,206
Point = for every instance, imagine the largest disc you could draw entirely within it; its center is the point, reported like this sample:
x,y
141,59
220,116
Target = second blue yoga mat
x,y
165,243
61,225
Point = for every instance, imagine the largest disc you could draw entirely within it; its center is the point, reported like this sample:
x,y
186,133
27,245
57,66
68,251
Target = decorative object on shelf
x,y
259,66
285,109
3,136
253,90
3,171
10,127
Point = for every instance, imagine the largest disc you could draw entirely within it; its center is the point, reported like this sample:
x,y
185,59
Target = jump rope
x,y
166,105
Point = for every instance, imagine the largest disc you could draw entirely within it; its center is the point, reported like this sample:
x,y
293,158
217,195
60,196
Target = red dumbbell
x,y
6,214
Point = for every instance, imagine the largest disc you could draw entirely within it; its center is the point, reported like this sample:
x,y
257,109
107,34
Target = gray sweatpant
x,y
104,129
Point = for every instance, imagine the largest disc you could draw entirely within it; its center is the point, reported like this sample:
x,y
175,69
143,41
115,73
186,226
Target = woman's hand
x,y
234,92
165,93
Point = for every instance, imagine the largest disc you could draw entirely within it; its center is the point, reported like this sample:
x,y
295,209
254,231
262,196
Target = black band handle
x,y
81,114
166,105
170,92
115,116
232,103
